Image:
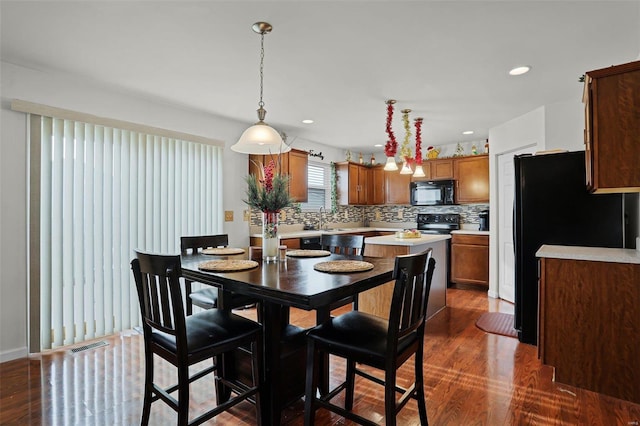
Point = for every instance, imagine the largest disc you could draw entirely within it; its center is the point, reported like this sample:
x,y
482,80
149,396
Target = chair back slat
x,y
413,275
159,293
196,243
343,244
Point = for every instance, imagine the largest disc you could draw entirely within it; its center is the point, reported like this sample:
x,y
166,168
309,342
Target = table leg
x,y
276,317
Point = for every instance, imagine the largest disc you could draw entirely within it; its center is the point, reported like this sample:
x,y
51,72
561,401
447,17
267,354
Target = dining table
x,y
278,286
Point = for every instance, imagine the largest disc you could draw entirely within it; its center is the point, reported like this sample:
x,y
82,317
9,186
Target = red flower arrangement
x,y
391,146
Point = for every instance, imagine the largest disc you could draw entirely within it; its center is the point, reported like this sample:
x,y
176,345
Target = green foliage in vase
x,y
269,194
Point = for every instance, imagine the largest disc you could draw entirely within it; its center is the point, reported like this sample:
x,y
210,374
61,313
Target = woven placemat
x,y
343,266
308,253
227,265
222,250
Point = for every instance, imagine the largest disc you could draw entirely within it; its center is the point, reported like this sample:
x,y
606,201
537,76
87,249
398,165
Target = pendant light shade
x,y
406,169
261,138
419,172
391,165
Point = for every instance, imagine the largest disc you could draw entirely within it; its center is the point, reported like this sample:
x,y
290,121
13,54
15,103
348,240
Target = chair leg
x,y
419,380
351,379
310,388
148,388
256,362
390,397
183,395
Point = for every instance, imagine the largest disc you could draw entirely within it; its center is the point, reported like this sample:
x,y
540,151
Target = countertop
x,y
596,254
391,240
331,231
470,232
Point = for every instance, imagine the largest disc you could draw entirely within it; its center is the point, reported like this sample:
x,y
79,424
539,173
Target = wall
x,y
63,92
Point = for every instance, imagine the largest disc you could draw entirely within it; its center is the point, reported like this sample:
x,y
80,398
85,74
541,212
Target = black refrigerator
x,y
553,206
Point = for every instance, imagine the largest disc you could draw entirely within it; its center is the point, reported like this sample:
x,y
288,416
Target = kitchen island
x,y
377,300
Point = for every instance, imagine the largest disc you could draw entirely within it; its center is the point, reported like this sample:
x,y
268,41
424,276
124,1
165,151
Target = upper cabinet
x,y
472,179
293,163
612,128
364,185
397,187
353,183
377,194
436,169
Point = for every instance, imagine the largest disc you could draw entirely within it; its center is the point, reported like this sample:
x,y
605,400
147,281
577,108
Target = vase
x,y
270,238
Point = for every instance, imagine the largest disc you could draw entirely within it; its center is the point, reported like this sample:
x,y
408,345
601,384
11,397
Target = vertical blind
x,y
104,193
318,182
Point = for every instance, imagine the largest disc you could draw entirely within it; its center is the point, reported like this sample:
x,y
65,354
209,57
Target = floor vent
x,y
87,347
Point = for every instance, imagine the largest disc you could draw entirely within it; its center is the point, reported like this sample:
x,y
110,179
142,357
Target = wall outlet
x,y
378,216
400,214
346,214
228,215
283,215
246,215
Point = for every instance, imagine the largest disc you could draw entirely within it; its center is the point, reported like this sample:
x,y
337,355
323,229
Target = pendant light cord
x,y
261,103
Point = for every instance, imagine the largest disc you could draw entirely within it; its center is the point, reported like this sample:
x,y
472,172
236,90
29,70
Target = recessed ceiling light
x,y
307,121
378,145
467,132
519,70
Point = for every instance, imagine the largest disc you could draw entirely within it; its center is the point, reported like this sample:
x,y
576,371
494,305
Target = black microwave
x,y
432,193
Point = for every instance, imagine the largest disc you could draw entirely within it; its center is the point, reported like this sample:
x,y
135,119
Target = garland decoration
x,y
418,124
334,188
391,146
405,149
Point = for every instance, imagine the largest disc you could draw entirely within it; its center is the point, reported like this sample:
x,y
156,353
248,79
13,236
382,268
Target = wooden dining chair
x,y
383,344
186,340
341,244
207,298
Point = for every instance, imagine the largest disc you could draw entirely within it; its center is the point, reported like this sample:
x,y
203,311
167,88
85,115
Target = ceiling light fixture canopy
x,y
261,138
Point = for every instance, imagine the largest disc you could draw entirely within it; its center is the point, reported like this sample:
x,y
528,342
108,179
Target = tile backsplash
x,y
396,215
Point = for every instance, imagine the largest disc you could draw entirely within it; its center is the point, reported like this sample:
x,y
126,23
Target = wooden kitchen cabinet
x,y
589,324
472,179
470,259
397,188
437,169
377,188
353,183
293,163
612,125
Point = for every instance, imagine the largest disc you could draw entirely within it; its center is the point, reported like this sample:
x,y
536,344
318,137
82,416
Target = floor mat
x,y
497,323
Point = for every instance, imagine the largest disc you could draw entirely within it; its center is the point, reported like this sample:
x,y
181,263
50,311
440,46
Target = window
x,y
318,183
100,193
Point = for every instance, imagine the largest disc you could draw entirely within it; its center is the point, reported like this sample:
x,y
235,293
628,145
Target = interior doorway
x,y
506,191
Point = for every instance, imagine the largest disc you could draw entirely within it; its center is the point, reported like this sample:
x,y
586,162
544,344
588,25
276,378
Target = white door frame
x,y
504,231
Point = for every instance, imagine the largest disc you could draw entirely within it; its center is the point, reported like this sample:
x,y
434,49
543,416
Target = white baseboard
x,y
12,354
493,294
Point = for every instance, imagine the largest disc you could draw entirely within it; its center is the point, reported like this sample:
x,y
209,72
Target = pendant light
x,y
405,150
392,145
261,138
419,172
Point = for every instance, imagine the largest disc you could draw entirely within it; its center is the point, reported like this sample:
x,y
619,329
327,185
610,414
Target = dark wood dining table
x,y
291,282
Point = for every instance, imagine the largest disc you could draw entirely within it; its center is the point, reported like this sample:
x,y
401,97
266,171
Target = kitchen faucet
x,y
320,221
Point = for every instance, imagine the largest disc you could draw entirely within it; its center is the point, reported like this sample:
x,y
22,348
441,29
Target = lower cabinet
x,y
470,259
291,243
589,325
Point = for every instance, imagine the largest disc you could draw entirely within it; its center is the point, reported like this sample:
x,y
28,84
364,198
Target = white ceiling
x,y
335,62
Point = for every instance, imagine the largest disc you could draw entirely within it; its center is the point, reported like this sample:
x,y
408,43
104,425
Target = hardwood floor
x,y
471,378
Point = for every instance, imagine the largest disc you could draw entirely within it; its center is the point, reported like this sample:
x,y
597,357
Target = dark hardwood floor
x,y
471,378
